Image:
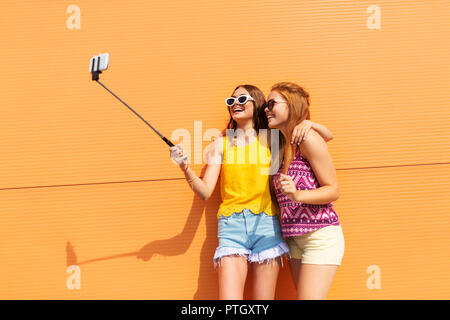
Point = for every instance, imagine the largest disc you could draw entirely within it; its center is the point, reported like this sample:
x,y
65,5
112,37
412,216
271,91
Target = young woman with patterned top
x,y
305,187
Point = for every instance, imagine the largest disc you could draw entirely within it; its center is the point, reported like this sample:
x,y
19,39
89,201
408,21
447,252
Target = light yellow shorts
x,y
323,246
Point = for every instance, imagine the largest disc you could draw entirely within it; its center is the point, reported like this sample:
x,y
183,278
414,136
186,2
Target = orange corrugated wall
x,y
78,167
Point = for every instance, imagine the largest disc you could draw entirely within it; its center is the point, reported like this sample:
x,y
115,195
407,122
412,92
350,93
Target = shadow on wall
x,y
207,287
178,245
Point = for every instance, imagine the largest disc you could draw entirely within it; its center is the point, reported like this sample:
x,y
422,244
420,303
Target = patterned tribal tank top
x,y
299,218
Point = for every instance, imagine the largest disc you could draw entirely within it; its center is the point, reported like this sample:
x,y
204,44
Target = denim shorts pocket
x,y
223,220
222,223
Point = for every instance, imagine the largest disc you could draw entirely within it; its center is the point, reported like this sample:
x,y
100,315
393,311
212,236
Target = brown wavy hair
x,y
298,103
259,116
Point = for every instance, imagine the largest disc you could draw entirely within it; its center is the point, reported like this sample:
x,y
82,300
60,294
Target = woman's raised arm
x,y
203,187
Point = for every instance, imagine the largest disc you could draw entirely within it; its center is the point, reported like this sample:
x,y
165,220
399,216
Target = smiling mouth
x,y
238,109
270,117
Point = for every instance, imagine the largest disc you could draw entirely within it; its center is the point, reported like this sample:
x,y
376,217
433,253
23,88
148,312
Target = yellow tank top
x,y
244,182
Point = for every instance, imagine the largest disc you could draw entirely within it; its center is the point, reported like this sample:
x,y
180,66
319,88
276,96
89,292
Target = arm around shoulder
x,y
324,132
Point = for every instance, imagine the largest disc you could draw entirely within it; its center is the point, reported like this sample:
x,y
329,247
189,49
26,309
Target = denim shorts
x,y
255,236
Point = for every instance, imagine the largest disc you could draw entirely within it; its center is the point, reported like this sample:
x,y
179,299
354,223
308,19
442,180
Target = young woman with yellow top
x,y
248,226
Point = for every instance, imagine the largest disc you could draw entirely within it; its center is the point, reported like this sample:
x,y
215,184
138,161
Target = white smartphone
x,y
99,62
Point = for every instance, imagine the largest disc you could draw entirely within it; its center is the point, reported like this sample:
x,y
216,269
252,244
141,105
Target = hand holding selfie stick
x,y
97,65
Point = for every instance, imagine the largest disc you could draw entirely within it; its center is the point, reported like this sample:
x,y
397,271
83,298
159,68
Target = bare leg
x,y
232,275
265,279
314,281
294,265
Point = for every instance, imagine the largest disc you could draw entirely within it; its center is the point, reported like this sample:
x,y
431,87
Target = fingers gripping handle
x,y
168,142
176,153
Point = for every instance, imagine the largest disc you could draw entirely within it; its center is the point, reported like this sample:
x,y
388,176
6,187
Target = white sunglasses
x,y
242,99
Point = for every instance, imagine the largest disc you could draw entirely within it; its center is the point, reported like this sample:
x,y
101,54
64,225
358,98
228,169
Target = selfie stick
x,y
95,77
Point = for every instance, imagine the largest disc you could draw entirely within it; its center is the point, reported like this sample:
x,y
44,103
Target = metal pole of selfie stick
x,y
95,77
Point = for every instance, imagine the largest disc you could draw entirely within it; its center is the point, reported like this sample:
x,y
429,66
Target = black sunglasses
x,y
271,103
